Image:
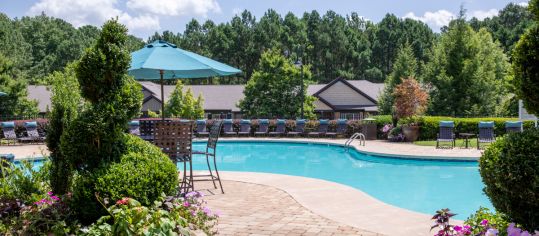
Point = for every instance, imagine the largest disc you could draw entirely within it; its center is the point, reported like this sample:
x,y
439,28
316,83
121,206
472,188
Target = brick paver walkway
x,y
252,209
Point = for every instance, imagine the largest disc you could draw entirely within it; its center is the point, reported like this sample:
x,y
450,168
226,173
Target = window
x,y
352,115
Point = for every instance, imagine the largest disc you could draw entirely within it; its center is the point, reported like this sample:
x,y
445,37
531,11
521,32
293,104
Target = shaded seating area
x,y
486,133
245,128
209,153
299,130
263,127
323,126
446,134
340,129
280,128
513,126
32,134
201,129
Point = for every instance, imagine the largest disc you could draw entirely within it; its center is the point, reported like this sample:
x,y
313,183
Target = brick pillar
x,y
337,115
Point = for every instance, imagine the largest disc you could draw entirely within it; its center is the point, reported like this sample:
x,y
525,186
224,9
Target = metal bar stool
x,y
175,138
210,152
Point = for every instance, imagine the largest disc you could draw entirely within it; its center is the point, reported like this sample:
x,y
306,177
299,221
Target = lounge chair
x,y
134,127
32,134
513,126
201,130
245,128
486,133
263,126
228,127
322,129
211,148
299,130
8,128
280,129
446,133
342,126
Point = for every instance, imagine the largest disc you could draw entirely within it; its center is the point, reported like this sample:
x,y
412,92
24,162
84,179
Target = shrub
x,y
510,171
143,173
24,182
495,219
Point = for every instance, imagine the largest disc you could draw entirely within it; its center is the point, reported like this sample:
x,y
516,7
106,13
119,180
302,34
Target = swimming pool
x,y
419,185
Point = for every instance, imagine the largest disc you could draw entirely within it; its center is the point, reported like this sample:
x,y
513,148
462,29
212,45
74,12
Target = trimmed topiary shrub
x,y
143,173
510,170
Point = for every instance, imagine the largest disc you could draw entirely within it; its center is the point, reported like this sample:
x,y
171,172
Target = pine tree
x,y
405,66
188,108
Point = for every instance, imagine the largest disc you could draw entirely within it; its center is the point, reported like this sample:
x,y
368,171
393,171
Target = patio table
x,y
466,137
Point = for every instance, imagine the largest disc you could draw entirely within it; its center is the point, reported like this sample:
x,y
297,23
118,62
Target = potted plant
x,y
410,100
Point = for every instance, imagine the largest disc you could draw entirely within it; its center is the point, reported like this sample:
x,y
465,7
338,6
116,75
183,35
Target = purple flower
x,y
186,204
206,211
50,193
491,232
484,222
457,228
512,230
55,198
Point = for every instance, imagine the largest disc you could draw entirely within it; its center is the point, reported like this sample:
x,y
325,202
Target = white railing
x,y
355,136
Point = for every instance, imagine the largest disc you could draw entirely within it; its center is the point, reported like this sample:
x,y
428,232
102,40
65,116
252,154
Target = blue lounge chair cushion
x,y
227,121
245,122
302,121
134,123
9,157
30,124
263,121
486,124
341,121
449,124
8,124
513,124
280,121
200,122
324,122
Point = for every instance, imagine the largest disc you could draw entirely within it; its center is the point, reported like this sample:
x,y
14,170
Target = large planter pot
x,y
411,133
369,130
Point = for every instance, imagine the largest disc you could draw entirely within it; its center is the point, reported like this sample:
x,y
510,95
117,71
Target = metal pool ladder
x,y
355,136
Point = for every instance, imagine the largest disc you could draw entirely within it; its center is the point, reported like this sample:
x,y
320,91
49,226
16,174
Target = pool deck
x,y
346,210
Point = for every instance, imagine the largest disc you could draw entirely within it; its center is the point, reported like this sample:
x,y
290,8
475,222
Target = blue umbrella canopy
x,y
3,94
161,60
175,63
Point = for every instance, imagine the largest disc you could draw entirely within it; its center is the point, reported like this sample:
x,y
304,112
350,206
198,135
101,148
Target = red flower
x,y
123,201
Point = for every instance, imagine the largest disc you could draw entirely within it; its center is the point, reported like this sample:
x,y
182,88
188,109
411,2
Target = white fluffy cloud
x,y
481,15
435,19
175,7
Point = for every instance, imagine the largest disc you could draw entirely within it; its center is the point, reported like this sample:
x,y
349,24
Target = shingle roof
x,y
373,90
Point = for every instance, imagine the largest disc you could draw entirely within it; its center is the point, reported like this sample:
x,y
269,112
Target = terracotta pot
x,y
411,133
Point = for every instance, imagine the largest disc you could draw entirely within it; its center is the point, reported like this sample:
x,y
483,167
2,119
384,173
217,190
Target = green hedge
x,y
429,125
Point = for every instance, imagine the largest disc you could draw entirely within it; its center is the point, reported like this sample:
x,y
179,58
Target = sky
x,y
144,17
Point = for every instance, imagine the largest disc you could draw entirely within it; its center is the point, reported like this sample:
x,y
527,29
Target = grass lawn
x,y
459,143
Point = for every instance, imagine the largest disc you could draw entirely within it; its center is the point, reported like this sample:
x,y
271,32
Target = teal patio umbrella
x,y
3,94
161,60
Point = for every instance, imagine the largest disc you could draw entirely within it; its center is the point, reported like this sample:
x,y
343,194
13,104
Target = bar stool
x,y
211,148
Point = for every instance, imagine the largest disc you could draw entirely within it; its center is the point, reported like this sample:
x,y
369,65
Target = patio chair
x,y
134,127
245,128
322,129
32,134
486,133
446,134
513,126
201,130
263,126
175,138
211,148
228,127
341,128
299,130
8,128
280,128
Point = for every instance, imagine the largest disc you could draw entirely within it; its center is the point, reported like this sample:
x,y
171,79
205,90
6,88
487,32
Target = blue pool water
x,y
419,185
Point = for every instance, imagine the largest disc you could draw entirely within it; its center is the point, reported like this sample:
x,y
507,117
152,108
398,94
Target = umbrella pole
x,y
162,96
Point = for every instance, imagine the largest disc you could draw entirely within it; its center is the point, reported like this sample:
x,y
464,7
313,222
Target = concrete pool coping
x,y
343,204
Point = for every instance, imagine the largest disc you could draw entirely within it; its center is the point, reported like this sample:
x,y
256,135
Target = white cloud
x,y
435,19
175,7
94,12
524,4
481,15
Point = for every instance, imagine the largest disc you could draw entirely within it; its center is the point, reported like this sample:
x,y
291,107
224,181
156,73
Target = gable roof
x,y
369,90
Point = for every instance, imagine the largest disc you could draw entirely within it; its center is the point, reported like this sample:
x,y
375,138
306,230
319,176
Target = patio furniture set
x,y
279,130
31,130
485,133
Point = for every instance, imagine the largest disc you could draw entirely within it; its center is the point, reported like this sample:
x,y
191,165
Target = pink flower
x,y
50,193
55,198
123,201
457,228
186,204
